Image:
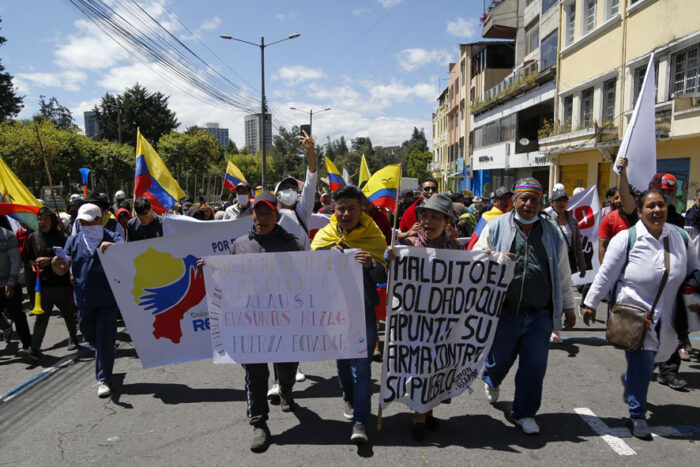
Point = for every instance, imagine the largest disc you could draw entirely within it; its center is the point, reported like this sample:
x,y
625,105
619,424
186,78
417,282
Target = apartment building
x,y
440,163
508,115
605,46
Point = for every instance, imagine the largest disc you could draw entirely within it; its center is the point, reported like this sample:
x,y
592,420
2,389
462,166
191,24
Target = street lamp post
x,y
311,114
262,46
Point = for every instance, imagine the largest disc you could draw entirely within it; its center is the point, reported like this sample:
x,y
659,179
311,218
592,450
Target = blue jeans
x,y
640,365
355,378
99,327
525,336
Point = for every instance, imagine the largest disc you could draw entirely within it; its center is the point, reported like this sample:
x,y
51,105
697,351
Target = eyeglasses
x,y
430,188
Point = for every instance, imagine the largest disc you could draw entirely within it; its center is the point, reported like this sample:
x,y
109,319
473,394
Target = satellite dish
x,y
524,141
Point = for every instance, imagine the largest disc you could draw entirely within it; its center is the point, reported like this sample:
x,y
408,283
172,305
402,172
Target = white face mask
x,y
93,236
243,200
288,197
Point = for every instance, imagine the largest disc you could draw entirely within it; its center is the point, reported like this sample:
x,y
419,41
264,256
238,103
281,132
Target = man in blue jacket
x,y
541,290
97,308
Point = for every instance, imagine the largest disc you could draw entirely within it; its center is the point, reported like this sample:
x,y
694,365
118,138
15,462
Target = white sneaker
x,y
528,425
273,395
491,393
300,376
103,389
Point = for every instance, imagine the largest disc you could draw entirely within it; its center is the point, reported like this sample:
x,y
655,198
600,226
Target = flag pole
x,y
389,295
133,197
46,166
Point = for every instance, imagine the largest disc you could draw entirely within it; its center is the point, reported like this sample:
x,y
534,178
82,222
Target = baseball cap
x,y
89,212
267,198
664,181
502,191
287,180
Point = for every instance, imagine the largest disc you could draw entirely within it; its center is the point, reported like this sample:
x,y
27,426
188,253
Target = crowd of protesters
x,y
542,238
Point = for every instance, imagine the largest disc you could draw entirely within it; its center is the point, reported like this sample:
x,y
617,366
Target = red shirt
x,y
612,224
382,220
409,216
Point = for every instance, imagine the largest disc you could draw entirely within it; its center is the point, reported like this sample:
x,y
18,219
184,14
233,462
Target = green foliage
x,y
119,116
189,154
60,115
10,103
418,164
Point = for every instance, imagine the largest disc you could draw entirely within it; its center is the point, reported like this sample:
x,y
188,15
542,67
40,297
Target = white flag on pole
x,y
639,142
346,177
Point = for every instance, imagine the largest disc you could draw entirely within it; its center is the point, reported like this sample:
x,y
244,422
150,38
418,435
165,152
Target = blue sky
x,y
376,63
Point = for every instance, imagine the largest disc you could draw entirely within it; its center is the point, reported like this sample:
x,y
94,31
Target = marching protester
x,y
350,227
326,206
146,224
266,236
123,216
610,201
435,217
243,203
295,214
632,266
502,202
692,217
409,220
10,291
568,226
540,292
55,289
614,221
405,201
97,308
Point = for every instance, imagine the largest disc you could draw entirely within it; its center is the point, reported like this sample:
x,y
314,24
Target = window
x,y
491,133
570,23
686,75
639,74
549,50
479,137
568,112
547,4
507,129
587,108
609,101
613,8
532,35
589,10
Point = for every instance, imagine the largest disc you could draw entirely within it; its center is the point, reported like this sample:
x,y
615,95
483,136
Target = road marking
x,y
602,430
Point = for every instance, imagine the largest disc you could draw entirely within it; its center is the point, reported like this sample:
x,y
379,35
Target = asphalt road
x,y
195,414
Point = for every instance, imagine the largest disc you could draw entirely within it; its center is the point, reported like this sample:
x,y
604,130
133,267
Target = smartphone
x,y
304,128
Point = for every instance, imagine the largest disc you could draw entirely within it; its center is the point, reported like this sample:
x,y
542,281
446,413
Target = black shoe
x,y
30,355
432,423
640,429
359,434
673,381
419,431
73,344
286,402
261,438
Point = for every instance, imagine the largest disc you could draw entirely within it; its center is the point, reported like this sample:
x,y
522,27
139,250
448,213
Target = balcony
x,y
518,81
500,20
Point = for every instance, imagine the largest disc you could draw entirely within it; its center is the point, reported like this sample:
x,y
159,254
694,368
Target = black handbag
x,y
628,323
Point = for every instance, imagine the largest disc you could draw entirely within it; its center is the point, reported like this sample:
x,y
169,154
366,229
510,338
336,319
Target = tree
x,y
231,148
10,103
418,164
119,116
57,113
189,154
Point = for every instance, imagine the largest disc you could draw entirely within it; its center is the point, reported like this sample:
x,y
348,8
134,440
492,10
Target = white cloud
x,y
70,80
296,74
389,3
90,49
411,59
362,12
463,28
211,24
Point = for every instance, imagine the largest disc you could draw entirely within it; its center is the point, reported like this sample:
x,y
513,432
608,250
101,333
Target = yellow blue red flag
x,y
152,179
16,200
383,187
233,176
334,177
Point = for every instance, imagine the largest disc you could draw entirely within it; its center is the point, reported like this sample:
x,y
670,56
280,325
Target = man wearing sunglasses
x,y
409,221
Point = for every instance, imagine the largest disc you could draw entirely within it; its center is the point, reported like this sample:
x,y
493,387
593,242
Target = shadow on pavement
x,y
172,393
324,387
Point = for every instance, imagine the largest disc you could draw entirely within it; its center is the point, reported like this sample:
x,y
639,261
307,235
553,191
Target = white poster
x,y
286,307
160,294
442,321
585,207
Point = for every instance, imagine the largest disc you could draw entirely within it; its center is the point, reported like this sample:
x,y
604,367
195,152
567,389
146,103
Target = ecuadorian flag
x,y
382,188
233,177
334,177
16,200
153,180
492,213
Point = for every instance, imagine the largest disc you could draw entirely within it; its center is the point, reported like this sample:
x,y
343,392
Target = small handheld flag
x,y
233,177
382,188
334,177
365,174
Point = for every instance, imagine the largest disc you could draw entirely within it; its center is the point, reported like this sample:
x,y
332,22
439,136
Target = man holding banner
x,y
540,291
350,227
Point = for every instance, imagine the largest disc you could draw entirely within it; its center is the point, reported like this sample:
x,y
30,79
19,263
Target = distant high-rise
x,y
252,132
91,125
221,134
